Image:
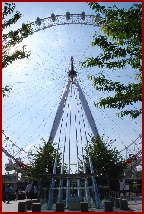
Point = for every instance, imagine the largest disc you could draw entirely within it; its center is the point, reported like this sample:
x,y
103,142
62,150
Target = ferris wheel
x,y
30,90
49,100
16,156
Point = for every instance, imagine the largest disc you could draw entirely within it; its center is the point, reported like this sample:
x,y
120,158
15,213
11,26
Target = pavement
x,y
135,206
13,207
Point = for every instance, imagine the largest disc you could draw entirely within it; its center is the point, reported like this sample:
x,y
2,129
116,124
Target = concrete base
x,y
123,204
117,202
84,206
36,207
59,207
74,205
22,206
112,199
29,204
108,206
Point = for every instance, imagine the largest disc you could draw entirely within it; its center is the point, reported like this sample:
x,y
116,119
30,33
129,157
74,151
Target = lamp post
x,y
135,189
126,148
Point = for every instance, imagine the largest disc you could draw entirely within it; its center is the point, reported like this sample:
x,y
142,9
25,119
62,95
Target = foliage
x,y
43,160
11,38
139,174
121,45
137,186
105,159
5,90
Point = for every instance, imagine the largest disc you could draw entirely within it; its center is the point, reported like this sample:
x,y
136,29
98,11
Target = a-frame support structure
x,y
73,80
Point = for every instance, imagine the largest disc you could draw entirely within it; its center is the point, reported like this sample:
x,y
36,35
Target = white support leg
x,y
59,112
87,110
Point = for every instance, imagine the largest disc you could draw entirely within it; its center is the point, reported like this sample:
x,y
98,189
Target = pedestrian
x,y
32,192
28,189
3,193
8,192
16,195
35,191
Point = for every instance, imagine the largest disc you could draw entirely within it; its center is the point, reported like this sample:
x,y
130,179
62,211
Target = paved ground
x,y
135,206
13,207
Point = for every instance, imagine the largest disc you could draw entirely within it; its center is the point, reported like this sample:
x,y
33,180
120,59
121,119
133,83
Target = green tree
x,y
11,38
43,160
121,45
137,187
105,159
139,174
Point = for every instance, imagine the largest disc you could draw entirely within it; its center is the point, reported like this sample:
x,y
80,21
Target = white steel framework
x,y
72,80
54,20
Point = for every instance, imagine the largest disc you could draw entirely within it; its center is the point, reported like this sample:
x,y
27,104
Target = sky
x,y
38,83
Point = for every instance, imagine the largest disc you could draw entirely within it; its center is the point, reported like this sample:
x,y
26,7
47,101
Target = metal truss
x,y
68,19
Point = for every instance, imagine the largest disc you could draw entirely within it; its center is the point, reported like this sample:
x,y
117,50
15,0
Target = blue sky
x,y
38,82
